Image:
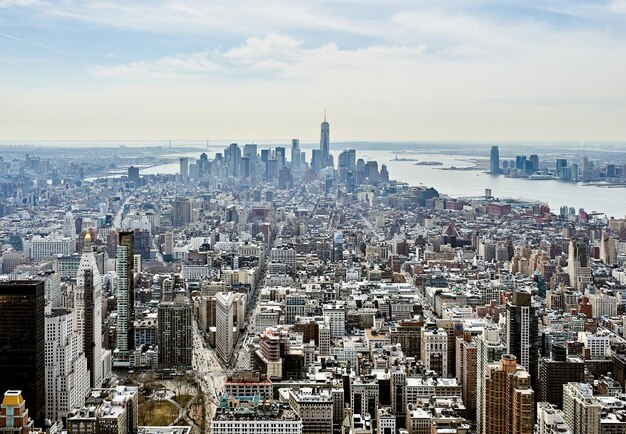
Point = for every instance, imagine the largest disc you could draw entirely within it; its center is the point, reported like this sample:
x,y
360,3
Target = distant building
x,y
578,267
324,144
181,212
494,160
133,175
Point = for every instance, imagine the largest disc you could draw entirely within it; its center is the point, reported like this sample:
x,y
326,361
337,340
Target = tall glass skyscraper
x,y
494,160
325,143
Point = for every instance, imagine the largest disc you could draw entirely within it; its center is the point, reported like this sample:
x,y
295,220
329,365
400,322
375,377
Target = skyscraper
x,y
124,284
494,160
67,377
22,349
295,153
508,400
490,349
133,174
325,143
181,212
578,266
88,304
522,332
224,325
184,169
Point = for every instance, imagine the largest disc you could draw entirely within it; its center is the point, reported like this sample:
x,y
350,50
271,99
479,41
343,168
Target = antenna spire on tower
x,y
324,114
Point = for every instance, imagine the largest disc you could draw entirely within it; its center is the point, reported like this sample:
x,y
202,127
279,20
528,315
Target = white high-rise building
x,y
581,409
224,325
88,304
67,377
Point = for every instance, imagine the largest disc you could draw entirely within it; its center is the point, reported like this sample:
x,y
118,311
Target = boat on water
x,y
541,177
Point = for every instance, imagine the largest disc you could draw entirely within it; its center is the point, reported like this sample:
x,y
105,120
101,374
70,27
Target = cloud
x,y
278,55
199,63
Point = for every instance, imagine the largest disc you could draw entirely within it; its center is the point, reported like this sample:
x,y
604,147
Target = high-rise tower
x,y
578,266
508,400
325,143
184,169
88,303
22,349
125,299
494,160
522,333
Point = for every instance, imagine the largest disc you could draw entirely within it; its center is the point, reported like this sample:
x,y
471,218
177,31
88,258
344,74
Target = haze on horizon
x,y
494,70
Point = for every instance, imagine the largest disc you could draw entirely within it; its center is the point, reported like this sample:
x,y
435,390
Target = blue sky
x,y
492,70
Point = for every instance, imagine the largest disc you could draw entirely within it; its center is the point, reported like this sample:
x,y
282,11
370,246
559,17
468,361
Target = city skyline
x,y
390,71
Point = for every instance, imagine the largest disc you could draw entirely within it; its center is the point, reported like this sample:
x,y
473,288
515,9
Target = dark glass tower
x,y
522,333
22,352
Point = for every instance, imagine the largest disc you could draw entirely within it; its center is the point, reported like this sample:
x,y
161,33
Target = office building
x,y
466,365
184,169
508,400
522,332
174,332
88,305
581,409
22,337
490,348
133,175
42,247
324,155
248,383
67,377
295,153
314,408
550,420
224,341
556,371
434,352
181,212
578,267
124,285
106,411
252,414
494,160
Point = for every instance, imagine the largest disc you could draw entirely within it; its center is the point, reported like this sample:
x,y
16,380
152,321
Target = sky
x,y
384,70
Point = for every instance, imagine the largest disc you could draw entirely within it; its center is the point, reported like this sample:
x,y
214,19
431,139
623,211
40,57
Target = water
x,y
611,201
